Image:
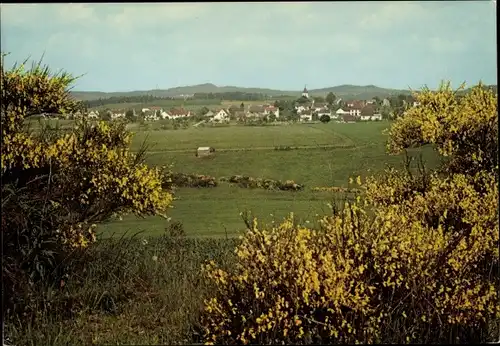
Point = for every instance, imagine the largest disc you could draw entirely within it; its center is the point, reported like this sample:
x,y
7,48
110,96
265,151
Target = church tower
x,y
305,93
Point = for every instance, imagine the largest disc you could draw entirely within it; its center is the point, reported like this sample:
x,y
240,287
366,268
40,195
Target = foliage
x,y
325,118
336,189
410,260
189,180
268,184
106,115
129,290
465,129
56,185
129,115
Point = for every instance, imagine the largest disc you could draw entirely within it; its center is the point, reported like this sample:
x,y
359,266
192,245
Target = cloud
x,y
277,42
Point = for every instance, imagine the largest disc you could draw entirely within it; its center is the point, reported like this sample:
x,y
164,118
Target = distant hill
x,y
345,91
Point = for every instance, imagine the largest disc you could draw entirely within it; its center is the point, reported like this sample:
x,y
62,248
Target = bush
x,y
411,260
325,118
268,184
189,180
57,185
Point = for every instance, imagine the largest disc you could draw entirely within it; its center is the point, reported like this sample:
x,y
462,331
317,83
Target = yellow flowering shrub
x,y
413,259
462,129
56,185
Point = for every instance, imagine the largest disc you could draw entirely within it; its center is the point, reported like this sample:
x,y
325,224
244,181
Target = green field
x,y
326,155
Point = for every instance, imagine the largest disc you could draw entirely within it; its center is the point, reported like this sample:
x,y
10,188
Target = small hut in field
x,y
205,152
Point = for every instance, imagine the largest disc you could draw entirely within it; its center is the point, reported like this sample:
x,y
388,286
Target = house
x,y
367,112
233,109
306,115
324,111
355,110
348,118
268,110
356,104
340,112
220,116
240,115
205,151
117,115
319,107
145,110
416,103
301,108
156,110
370,112
151,116
93,115
255,112
175,113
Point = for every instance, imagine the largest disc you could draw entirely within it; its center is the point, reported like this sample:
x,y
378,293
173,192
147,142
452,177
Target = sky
x,y
125,47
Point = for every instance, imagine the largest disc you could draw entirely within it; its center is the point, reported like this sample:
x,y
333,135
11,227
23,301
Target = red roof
x,y
348,117
175,111
356,104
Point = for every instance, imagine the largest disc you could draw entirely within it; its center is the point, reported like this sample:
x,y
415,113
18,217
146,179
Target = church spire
x,y
305,93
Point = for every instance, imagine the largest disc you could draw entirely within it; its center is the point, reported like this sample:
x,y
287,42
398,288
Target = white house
x,y
320,107
355,111
416,103
370,112
220,116
151,116
93,115
301,108
340,112
119,115
178,113
272,110
306,116
144,110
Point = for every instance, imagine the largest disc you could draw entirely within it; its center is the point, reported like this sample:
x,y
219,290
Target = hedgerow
x,y
414,259
190,180
260,183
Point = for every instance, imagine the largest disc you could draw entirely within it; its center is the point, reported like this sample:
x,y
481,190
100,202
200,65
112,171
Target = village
x,y
307,110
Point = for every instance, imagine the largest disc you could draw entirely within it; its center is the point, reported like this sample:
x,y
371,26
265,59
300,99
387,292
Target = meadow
x,y
320,155
140,284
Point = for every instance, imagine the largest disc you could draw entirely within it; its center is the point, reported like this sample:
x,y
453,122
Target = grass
x,y
335,153
125,292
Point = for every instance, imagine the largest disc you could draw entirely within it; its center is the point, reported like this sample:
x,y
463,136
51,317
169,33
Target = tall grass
x,y
127,290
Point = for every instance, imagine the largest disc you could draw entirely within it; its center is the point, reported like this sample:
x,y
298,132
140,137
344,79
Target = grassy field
x,y
327,155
